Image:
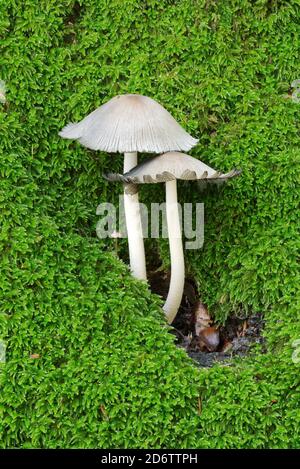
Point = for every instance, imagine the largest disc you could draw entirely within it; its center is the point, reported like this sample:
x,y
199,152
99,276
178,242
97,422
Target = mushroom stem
x,y
134,225
176,252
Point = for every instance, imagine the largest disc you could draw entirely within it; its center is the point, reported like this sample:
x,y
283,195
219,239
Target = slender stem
x,y
134,225
176,252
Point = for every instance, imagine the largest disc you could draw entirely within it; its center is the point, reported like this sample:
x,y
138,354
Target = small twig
x,y
199,405
103,412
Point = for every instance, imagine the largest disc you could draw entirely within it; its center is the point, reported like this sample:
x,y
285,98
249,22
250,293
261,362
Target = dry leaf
x,y
242,329
227,346
202,317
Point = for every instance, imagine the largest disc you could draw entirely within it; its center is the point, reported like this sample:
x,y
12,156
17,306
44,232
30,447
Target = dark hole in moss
x,y
70,22
236,337
74,14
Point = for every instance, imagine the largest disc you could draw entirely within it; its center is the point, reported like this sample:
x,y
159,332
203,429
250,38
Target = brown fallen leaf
x,y
207,335
35,355
242,329
202,317
227,346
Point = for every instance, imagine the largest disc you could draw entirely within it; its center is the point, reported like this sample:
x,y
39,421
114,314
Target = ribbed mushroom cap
x,y
130,123
169,166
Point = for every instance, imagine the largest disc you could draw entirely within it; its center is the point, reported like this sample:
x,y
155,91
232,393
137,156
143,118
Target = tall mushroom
x,y
168,168
129,124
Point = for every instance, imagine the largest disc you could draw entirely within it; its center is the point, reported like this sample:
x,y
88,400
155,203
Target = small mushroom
x,y
129,124
168,168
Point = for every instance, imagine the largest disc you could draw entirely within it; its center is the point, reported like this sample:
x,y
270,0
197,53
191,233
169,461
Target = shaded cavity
x,y
195,330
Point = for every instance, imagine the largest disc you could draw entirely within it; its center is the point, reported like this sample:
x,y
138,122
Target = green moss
x,y
106,372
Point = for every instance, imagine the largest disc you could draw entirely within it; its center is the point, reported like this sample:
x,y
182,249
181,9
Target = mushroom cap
x,y
130,123
169,166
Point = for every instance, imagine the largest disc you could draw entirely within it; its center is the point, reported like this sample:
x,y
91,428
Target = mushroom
x,y
168,168
129,124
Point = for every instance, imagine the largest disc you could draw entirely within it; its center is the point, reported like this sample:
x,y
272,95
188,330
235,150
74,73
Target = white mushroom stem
x,y
176,253
134,225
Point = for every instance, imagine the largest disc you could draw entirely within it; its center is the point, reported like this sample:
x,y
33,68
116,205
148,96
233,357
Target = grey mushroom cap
x,y
130,123
169,166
